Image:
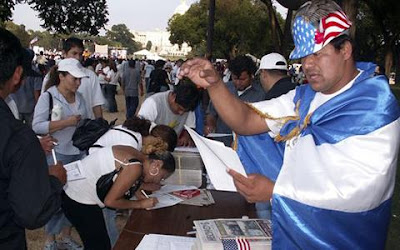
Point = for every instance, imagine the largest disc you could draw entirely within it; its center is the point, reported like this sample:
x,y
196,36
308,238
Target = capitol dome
x,y
182,8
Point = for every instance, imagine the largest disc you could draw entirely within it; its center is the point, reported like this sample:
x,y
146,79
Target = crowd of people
x,y
320,156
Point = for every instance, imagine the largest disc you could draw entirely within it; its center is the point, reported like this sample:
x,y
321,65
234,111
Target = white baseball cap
x,y
72,66
273,61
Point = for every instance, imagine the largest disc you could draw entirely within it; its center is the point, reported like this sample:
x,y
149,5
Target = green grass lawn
x,y
393,241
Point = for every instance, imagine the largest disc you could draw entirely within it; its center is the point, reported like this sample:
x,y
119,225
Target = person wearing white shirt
x,y
173,108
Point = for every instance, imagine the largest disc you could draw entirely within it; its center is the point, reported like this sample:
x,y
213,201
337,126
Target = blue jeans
x,y
109,218
103,91
58,221
147,80
109,94
132,103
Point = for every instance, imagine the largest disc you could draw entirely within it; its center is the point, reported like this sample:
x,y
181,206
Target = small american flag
x,y
236,244
309,39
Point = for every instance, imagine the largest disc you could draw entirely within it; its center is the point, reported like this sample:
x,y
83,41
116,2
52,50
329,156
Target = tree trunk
x,y
287,33
388,59
350,7
276,33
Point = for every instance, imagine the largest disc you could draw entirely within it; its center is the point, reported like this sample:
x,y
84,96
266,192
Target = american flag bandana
x,y
236,244
310,38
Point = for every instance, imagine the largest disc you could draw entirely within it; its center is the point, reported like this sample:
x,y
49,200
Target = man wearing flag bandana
x,y
340,136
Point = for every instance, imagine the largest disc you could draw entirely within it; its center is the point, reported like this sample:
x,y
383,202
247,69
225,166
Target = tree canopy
x,y
241,26
121,34
64,16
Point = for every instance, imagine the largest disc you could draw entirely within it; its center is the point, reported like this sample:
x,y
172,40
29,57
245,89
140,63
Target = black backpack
x,y
88,131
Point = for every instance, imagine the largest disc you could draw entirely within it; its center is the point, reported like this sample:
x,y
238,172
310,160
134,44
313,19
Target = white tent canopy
x,y
148,55
143,52
155,57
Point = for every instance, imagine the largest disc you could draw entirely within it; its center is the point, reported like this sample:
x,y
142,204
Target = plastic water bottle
x,y
56,113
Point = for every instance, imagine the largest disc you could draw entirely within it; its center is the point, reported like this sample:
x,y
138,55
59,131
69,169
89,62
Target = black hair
x,y
166,157
167,134
142,126
339,41
159,64
88,62
277,72
12,55
242,63
187,94
54,78
72,42
137,124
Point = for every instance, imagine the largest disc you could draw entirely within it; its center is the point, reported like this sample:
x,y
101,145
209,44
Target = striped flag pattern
x,y
310,38
332,26
236,244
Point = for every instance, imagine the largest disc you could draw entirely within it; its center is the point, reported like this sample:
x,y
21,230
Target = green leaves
x,y
241,26
72,16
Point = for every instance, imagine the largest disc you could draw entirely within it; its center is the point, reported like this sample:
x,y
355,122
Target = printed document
x,y
74,171
165,242
217,158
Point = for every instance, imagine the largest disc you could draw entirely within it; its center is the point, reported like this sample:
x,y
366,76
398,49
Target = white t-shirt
x,y
284,106
156,109
93,167
113,77
13,106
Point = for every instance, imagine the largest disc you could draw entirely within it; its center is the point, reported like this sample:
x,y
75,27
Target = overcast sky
x,y
139,15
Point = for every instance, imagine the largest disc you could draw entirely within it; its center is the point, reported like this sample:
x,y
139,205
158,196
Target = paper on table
x,y
165,200
165,242
168,188
74,171
187,149
217,158
216,135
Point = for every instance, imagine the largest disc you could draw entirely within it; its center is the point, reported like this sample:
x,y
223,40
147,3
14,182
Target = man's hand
x,y
254,188
59,171
185,140
200,71
47,142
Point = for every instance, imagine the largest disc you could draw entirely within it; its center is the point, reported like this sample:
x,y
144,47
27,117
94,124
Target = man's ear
x,y
347,50
16,77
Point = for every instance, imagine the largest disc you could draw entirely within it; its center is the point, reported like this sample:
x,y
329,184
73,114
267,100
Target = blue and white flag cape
x,y
335,184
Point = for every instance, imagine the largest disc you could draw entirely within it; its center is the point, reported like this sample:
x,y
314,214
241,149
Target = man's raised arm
x,y
235,113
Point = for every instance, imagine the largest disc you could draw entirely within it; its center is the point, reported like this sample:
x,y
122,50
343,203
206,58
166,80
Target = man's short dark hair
x,y
187,94
242,63
12,55
72,42
339,41
277,72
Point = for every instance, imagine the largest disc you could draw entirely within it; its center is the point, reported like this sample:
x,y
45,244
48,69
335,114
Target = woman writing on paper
x,y
141,135
83,206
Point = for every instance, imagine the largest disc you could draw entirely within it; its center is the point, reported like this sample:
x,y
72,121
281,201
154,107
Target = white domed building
x,y
160,39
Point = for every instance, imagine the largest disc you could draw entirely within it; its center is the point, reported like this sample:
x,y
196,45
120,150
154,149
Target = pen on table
x,y
144,193
54,156
191,232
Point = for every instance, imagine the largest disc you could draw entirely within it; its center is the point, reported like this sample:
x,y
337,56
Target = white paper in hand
x,y
74,171
217,158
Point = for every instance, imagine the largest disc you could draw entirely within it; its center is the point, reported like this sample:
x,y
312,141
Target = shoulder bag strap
x,y
50,104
